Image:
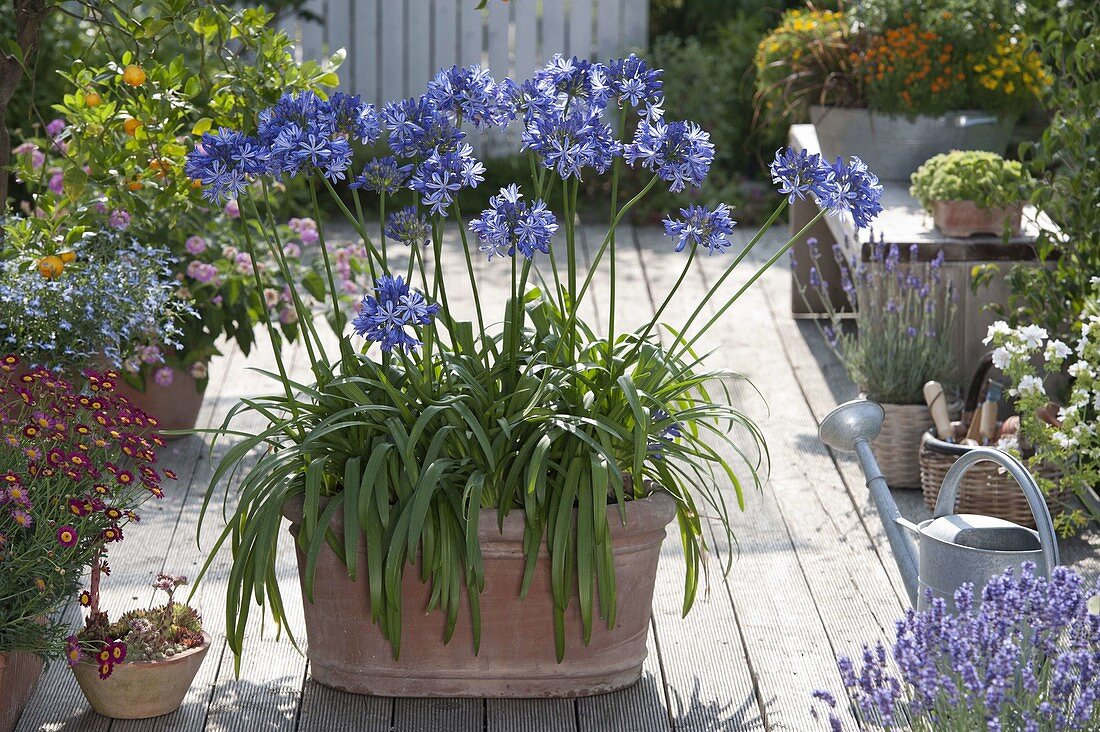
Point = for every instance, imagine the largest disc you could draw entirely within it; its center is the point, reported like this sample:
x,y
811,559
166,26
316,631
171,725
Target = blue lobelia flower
x,y
855,190
634,84
470,93
679,152
439,177
568,141
800,175
407,226
225,162
382,175
384,316
511,224
702,227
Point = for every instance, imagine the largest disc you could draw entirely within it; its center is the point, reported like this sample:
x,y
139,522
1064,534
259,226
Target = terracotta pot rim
x,y
1007,207
207,641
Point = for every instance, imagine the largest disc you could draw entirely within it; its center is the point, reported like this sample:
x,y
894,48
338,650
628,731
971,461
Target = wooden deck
x,y
811,577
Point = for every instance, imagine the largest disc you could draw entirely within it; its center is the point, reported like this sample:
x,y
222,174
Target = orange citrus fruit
x,y
131,125
67,257
134,185
133,75
50,266
92,99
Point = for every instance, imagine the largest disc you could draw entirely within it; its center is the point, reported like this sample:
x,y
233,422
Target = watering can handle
x,y
949,493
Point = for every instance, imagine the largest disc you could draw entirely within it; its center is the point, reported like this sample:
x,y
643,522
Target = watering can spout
x,y
852,427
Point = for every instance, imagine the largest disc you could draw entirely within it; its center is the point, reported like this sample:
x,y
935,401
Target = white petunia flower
x,y
998,328
1033,335
1001,359
1063,440
1030,385
1057,350
1078,369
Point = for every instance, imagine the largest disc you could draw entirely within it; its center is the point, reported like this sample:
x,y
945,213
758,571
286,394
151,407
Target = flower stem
x,y
338,316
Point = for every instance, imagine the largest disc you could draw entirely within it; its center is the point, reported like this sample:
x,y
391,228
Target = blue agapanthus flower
x,y
408,227
417,128
634,84
470,93
679,152
511,225
569,141
655,446
384,316
382,175
575,83
701,227
438,178
856,191
800,175
225,162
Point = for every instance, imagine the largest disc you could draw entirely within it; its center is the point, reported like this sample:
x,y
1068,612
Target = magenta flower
x,y
119,219
232,210
22,518
163,376
56,184
66,536
55,127
195,245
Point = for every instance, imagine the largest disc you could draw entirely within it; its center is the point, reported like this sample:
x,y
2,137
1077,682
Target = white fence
x,y
395,46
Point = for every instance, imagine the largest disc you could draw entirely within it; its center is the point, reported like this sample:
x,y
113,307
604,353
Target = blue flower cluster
x,y
1027,657
701,227
408,227
673,430
382,175
470,93
839,188
301,134
634,84
511,225
679,152
384,316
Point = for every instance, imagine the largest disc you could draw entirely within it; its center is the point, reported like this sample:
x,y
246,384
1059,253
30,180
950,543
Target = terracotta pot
x,y
897,447
964,218
175,406
516,659
142,689
19,674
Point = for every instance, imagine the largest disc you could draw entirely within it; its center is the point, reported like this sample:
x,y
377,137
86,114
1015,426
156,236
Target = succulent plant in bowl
x,y
972,192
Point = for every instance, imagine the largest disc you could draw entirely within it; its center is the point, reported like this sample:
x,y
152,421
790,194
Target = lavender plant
x,y
904,313
422,418
1024,655
85,297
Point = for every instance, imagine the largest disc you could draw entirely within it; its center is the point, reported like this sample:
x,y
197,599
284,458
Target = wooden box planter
x,y
516,659
19,673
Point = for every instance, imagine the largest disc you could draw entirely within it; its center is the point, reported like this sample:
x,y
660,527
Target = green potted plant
x,y
478,506
904,316
894,87
76,463
972,192
141,665
116,153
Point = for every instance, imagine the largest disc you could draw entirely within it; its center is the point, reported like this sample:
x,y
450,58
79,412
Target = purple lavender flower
x,y
408,227
702,227
384,316
382,175
510,225
679,152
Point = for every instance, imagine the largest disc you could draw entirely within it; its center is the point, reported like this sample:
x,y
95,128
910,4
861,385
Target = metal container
x,y
893,147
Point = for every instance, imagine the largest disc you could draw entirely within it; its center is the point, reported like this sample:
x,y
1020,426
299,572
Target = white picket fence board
x,y
395,46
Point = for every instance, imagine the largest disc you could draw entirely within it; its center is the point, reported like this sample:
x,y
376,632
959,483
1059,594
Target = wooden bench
x,y
904,222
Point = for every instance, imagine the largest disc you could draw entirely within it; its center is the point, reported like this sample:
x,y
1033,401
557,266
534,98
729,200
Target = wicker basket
x,y
898,442
985,489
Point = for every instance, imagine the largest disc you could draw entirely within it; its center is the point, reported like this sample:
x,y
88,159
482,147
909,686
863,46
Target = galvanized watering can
x,y
947,550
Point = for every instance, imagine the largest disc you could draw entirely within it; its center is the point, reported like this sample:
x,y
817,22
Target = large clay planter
x,y
964,218
176,406
142,689
19,674
893,147
516,659
897,447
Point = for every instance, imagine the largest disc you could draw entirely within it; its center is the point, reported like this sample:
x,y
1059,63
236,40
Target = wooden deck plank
x,y
429,715
324,708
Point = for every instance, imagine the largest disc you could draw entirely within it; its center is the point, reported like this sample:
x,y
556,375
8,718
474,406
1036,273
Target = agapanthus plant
x,y
904,312
95,298
1023,654
75,464
424,418
1065,436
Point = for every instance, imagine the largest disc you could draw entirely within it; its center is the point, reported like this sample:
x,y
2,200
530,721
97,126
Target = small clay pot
x,y
142,689
964,218
175,407
19,674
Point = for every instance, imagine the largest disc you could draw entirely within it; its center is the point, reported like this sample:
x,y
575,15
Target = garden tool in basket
x,y
939,555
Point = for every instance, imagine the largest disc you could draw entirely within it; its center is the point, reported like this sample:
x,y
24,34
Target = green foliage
x,y
1066,162
985,178
708,19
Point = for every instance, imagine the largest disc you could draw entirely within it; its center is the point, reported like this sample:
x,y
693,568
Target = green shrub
x,y
985,178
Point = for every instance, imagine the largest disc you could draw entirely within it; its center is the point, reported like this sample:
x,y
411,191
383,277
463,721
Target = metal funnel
x,y
858,419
